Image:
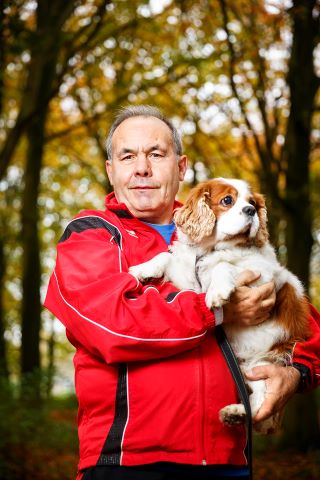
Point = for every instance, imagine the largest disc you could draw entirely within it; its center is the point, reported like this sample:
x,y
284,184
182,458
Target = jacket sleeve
x,y
306,355
108,312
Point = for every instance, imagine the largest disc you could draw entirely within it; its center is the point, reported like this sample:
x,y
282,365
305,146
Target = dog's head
x,y
223,212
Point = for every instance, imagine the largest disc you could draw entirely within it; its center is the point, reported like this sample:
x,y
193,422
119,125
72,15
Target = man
x,y
149,375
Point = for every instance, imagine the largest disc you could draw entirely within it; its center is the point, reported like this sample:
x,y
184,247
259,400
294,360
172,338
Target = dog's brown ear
x,y
196,219
263,235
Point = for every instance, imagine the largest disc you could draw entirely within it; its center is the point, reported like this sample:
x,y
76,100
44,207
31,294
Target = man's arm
x,y
107,311
306,355
283,382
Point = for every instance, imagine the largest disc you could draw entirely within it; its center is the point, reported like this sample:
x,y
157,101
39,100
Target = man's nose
x,y
142,166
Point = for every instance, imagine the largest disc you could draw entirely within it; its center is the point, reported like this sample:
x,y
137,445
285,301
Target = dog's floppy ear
x,y
263,235
196,219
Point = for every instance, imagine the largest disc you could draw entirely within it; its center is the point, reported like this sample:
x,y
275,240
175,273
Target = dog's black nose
x,y
249,210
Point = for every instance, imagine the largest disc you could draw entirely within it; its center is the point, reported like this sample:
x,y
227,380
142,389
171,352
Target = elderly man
x,y
150,377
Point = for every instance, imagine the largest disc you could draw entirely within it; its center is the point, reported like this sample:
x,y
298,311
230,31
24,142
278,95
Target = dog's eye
x,y
226,201
252,202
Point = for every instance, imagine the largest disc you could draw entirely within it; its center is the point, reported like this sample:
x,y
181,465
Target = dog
x,y
222,231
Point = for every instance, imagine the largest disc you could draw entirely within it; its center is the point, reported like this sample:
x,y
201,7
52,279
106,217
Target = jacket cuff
x,y
218,313
209,317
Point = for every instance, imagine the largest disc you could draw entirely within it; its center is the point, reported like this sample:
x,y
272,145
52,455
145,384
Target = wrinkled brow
x,y
157,146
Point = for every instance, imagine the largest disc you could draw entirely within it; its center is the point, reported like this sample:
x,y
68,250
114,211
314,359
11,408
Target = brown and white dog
x,y
222,231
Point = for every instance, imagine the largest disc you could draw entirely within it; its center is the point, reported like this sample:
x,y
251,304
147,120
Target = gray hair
x,y
142,111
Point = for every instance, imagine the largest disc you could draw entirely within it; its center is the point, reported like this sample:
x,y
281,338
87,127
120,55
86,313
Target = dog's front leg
x,y
235,414
258,393
154,268
222,284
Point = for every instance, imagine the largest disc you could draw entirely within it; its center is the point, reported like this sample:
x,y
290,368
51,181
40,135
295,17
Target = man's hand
x,y
250,305
281,382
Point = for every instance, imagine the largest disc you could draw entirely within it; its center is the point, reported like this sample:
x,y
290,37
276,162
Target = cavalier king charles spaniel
x,y
222,231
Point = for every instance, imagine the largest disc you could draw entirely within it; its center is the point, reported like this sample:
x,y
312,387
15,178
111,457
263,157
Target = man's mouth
x,y
144,187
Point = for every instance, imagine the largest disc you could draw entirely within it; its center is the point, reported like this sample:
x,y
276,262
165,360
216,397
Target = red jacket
x,y
150,378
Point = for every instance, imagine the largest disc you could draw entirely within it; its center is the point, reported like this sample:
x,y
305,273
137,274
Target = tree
x,y
303,85
4,373
40,83
58,40
285,169
44,43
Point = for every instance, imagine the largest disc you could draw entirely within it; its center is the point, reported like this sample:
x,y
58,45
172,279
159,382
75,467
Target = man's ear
x,y
182,165
196,219
109,170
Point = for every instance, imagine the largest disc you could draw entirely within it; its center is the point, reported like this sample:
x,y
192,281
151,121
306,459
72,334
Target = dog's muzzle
x,y
249,210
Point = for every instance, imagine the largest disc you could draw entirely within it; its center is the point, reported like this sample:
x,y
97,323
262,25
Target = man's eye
x,y
226,201
127,157
156,155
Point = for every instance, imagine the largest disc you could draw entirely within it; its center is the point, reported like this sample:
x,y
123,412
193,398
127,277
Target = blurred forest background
x,y
239,78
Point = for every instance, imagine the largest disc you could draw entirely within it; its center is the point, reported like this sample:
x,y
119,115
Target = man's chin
x,y
143,207
145,213
152,214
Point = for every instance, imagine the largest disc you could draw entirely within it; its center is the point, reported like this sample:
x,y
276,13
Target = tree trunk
x,y
3,356
2,50
31,309
51,360
4,373
303,86
44,54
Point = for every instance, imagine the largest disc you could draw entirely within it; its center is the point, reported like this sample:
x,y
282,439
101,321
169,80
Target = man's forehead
x,y
137,130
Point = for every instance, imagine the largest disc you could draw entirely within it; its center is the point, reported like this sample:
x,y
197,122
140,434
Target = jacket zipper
x,y
202,393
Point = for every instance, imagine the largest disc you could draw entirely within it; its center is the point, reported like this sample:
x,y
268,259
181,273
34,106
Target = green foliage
x,y
37,441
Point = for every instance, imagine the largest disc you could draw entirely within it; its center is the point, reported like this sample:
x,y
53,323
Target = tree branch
x,y
232,62
263,154
30,109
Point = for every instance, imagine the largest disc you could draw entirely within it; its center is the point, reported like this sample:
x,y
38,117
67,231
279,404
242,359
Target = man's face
x,y
145,171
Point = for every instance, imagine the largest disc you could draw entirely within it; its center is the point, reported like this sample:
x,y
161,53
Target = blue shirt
x,y
165,231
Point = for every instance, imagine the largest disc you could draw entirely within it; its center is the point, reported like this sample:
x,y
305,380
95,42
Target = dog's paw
x,y
136,272
217,296
233,414
145,272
